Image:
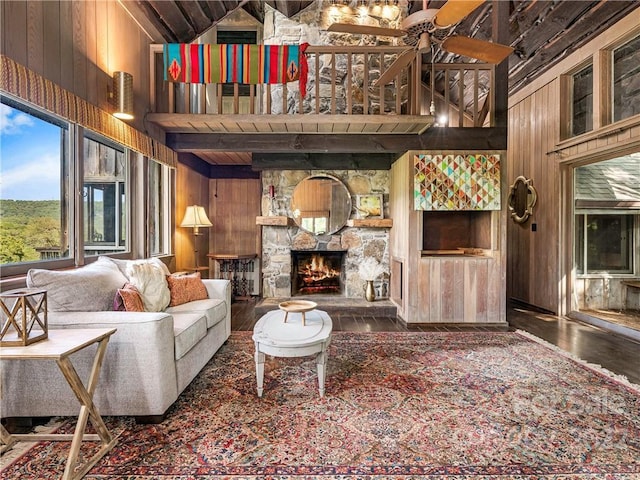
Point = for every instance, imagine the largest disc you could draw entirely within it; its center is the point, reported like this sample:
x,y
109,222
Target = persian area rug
x,y
397,405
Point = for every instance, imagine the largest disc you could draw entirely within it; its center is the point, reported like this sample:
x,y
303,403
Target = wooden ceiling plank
x,y
168,12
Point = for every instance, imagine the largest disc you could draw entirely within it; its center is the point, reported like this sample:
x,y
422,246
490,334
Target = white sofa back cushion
x,y
90,288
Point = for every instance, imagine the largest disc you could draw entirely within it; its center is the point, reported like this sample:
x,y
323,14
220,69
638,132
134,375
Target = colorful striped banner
x,y
235,63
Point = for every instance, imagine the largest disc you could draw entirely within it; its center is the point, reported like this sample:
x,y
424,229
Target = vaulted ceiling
x,y
542,32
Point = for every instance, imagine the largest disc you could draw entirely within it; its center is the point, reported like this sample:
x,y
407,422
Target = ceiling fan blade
x,y
396,67
366,30
472,47
455,10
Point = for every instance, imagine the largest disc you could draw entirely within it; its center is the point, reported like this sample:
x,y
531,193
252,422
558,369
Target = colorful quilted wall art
x,y
456,182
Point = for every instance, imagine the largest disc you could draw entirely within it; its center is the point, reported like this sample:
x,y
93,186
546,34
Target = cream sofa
x,y
150,360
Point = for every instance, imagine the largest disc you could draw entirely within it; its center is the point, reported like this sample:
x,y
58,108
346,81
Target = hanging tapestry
x,y
235,63
456,182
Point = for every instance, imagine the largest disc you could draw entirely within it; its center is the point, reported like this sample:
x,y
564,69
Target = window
x,y
607,216
582,101
34,147
105,205
159,196
626,80
240,37
603,243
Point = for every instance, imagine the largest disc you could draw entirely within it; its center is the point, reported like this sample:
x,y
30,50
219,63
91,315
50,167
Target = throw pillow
x,y
86,289
186,288
128,299
150,280
124,264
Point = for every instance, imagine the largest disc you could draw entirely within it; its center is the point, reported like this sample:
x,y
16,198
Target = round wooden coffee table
x,y
273,336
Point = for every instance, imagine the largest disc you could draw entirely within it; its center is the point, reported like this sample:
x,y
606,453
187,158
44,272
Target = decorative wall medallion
x,y
522,199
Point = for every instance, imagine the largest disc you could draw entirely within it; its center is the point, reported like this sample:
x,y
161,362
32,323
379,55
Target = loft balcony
x,y
342,100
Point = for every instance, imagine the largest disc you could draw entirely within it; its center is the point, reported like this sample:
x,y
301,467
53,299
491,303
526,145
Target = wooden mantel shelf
x,y
275,221
370,222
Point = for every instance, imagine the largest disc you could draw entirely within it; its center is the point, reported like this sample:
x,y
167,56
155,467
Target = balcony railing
x,y
341,81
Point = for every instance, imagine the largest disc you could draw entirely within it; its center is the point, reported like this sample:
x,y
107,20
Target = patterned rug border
x,y
621,379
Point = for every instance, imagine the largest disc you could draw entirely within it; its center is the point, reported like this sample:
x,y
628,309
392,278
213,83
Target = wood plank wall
x,y
234,205
78,45
539,262
191,189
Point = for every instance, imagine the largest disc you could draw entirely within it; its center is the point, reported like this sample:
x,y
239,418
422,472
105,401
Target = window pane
x,y
579,260
626,80
582,101
158,213
105,202
33,218
608,243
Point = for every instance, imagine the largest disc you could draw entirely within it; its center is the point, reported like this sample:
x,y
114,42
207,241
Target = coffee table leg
x,y
259,356
321,362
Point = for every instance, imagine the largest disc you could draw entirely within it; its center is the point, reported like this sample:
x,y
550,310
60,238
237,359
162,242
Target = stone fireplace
x,y
353,244
317,272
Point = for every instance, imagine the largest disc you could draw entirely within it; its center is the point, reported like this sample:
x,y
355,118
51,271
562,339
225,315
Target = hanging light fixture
x,y
123,95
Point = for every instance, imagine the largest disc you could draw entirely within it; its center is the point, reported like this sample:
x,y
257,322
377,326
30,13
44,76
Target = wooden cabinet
x,y
451,265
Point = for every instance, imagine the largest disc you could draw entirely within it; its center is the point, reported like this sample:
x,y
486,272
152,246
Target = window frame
x,y
166,179
68,185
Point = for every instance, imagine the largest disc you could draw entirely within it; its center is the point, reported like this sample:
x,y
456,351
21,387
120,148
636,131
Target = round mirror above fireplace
x,y
321,204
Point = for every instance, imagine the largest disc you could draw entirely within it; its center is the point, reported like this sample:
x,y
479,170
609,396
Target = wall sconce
x,y
122,95
195,217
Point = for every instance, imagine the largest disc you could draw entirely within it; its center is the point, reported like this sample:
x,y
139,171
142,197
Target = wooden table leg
x,y
88,411
321,363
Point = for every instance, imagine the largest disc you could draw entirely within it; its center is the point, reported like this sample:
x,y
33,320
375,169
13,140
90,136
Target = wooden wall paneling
x,y
470,288
482,274
35,33
456,290
191,189
92,52
79,26
51,41
66,45
14,31
235,209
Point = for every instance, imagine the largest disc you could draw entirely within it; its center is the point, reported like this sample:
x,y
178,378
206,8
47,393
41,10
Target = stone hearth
x,y
335,306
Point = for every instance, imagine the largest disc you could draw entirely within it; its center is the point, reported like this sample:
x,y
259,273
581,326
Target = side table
x,y
230,265
59,345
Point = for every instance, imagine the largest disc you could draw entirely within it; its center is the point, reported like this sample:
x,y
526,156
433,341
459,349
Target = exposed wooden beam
x,y
449,138
500,17
233,171
334,161
195,163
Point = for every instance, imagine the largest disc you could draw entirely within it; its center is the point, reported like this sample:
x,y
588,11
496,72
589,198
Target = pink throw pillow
x,y
128,299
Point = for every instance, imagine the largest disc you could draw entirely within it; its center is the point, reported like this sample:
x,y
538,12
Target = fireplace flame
x,y
318,270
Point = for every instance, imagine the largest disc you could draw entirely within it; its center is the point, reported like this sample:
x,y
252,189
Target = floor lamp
x,y
195,217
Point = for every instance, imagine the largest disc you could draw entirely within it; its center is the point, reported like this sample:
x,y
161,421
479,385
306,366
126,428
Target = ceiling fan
x,y
429,25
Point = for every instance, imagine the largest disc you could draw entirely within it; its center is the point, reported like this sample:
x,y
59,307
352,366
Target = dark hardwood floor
x,y
615,352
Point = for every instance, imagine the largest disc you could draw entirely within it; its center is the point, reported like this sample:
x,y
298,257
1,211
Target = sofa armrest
x,y
221,289
138,375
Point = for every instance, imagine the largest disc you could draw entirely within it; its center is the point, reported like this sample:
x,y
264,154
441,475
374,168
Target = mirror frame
x,y
329,230
526,204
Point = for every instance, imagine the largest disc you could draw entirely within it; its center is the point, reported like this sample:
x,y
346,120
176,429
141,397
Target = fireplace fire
x,y
316,272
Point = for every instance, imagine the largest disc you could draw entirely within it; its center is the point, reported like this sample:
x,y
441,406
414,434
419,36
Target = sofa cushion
x,y
124,264
128,299
151,281
186,288
214,309
90,288
188,329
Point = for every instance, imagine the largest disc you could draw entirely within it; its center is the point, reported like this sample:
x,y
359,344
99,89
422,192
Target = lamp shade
x,y
195,217
123,95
